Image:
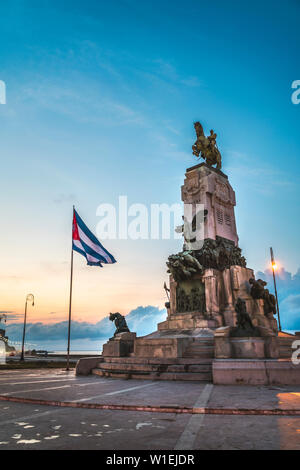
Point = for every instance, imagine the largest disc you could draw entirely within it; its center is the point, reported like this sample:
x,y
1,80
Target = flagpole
x,y
275,288
70,300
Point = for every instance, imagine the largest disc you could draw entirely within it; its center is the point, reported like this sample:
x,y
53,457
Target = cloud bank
x,y
142,320
288,288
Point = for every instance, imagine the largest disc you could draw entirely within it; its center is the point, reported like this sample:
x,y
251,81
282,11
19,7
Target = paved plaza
x,y
187,416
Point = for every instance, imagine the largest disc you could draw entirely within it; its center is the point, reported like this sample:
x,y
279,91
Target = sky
x,y
100,102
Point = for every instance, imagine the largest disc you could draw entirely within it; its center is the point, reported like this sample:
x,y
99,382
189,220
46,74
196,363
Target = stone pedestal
x,y
223,348
228,347
210,187
229,313
271,342
273,323
187,321
248,348
161,347
120,345
210,278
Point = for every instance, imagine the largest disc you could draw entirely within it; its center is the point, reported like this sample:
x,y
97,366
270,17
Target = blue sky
x,y
101,100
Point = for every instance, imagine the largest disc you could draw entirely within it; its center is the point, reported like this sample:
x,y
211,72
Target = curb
x,y
155,409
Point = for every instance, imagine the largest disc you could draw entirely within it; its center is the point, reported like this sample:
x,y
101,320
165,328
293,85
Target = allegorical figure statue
x,y
120,323
244,325
243,318
258,291
207,146
269,304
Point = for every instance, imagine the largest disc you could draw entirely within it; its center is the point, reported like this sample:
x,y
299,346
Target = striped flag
x,y
85,243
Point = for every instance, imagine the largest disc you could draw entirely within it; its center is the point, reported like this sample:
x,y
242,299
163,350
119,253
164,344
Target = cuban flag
x,y
85,243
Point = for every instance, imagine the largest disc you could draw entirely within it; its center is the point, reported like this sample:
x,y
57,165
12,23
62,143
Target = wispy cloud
x,y
288,286
168,71
85,104
264,179
62,198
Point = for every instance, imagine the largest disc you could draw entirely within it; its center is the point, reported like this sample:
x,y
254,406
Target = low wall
x,y
255,372
85,365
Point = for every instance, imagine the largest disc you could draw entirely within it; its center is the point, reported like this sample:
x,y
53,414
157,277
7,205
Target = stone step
x,y
285,347
150,368
286,341
199,352
197,376
285,355
158,360
202,355
129,367
202,343
185,376
198,349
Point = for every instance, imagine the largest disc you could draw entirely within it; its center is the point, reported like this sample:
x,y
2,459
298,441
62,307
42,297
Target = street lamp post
x,y
274,267
29,297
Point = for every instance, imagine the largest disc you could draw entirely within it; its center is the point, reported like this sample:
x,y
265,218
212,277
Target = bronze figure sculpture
x,y
206,147
183,265
258,291
214,254
269,304
120,323
243,318
244,325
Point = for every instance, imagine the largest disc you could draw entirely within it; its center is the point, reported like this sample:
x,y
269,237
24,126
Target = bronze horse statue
x,y
207,147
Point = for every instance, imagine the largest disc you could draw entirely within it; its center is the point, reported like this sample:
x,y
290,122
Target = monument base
x,y
184,369
199,355
227,346
255,372
175,343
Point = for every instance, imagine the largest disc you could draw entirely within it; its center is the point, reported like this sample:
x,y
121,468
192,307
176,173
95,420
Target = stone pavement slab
x,y
255,397
248,433
62,428
56,428
65,386
37,426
